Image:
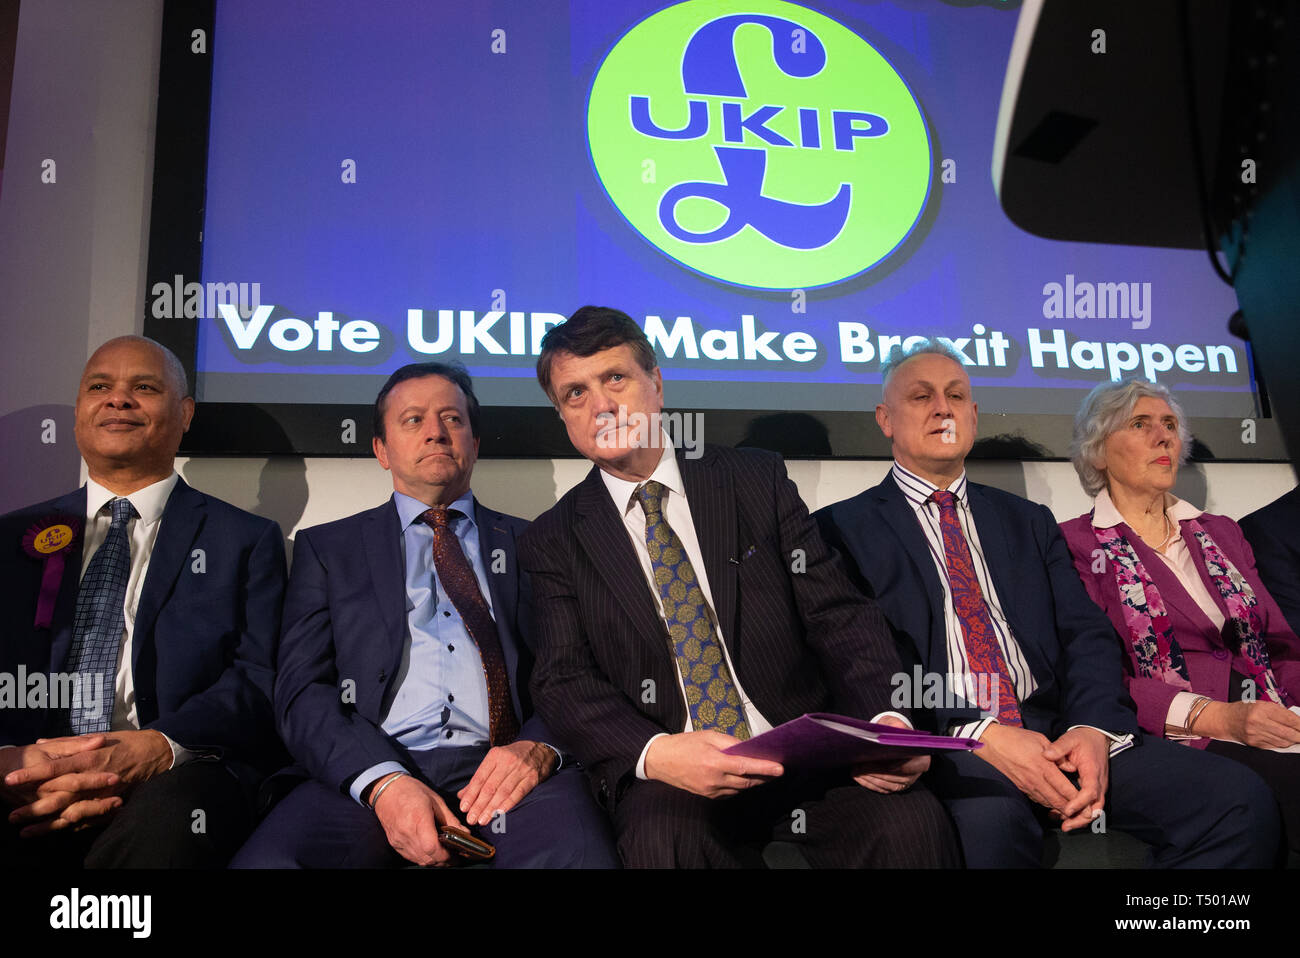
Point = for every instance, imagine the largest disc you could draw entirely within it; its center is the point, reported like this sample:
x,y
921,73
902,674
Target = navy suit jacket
x,y
1274,536
345,631
203,647
801,637
1069,644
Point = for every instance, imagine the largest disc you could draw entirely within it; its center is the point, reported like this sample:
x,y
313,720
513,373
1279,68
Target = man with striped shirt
x,y
980,590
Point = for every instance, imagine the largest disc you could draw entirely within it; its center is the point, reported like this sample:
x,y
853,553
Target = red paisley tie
x,y
982,649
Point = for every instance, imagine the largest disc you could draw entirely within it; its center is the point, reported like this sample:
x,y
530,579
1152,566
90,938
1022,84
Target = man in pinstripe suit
x,y
786,634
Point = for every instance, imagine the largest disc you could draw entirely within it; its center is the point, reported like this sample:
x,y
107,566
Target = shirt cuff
x,y
640,762
1118,743
559,756
901,718
1179,709
973,730
180,754
372,774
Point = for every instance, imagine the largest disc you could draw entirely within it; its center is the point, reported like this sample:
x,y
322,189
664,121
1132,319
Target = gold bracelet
x,y
1185,731
1195,713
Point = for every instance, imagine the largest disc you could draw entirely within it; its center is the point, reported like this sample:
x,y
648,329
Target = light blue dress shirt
x,y
439,696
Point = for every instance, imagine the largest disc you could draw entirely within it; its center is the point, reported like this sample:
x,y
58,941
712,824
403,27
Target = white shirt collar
x,y
666,473
149,502
918,490
1105,515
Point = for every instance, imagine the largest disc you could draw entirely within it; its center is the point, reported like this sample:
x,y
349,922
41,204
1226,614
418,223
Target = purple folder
x,y
820,740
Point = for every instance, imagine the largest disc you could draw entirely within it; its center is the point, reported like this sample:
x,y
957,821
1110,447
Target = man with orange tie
x,y
402,683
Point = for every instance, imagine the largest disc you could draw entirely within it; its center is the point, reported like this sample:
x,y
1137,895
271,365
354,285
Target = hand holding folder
x,y
821,740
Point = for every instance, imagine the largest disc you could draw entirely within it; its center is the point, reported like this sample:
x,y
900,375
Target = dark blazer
x,y
1210,660
1068,644
345,631
206,625
1274,534
801,638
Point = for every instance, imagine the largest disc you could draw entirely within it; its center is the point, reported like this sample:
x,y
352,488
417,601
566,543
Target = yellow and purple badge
x,y
49,540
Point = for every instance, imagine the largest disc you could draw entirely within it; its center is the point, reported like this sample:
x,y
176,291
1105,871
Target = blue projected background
x,y
412,180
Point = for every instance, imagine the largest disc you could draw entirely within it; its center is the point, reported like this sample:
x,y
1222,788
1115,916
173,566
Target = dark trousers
x,y
835,822
1194,809
193,816
556,825
1281,770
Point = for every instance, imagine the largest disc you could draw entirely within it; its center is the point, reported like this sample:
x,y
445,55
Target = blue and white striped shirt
x,y
918,491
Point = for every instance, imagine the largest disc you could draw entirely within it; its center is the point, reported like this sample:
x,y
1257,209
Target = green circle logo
x,y
773,148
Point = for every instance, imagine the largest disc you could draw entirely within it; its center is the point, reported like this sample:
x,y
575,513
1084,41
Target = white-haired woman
x,y
1211,660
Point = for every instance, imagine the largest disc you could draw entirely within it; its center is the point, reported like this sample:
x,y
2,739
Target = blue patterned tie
x,y
99,621
711,695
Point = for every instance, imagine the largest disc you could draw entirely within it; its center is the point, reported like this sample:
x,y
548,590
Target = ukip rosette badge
x,y
50,540
767,146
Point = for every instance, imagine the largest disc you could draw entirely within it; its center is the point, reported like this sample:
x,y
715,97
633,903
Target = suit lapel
x,y
182,518
494,535
1171,588
381,538
1198,557
907,529
503,588
710,493
993,543
604,538
65,604
991,523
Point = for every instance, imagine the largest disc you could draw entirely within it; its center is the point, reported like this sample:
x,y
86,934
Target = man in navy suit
x,y
981,592
402,682
140,619
686,602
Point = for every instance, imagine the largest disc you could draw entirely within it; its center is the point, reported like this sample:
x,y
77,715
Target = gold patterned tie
x,y
711,695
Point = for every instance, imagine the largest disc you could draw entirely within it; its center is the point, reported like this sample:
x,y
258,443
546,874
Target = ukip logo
x,y
777,149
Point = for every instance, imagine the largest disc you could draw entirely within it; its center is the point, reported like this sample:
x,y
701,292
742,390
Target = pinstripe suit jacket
x,y
802,638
